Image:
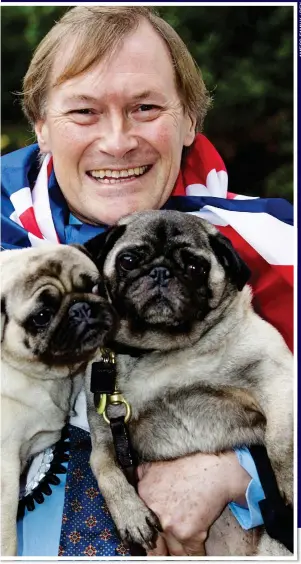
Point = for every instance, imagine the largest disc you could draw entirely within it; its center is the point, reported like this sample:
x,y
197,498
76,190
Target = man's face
x,y
116,132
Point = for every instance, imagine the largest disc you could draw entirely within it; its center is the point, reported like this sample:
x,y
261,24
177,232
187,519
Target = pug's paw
x,y
138,524
9,545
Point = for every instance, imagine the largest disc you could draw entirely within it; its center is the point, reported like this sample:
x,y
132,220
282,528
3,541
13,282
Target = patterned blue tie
x,y
87,527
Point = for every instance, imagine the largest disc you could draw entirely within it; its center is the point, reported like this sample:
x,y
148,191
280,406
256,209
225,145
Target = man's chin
x,y
102,212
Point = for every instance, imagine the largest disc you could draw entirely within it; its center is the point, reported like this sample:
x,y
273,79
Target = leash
x,y
103,386
278,517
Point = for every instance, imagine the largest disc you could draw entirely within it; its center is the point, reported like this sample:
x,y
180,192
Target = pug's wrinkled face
x,y
166,272
50,314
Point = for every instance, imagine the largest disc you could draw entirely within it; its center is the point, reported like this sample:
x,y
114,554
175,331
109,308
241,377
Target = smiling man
x,y
117,131
117,104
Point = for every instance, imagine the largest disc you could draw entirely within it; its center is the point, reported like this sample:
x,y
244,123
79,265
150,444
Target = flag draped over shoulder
x,y
34,213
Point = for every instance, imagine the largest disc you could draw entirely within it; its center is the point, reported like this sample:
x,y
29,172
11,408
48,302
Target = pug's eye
x,y
128,261
42,318
195,270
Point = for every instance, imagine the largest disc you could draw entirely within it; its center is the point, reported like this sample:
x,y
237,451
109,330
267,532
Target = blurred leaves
x,y
246,57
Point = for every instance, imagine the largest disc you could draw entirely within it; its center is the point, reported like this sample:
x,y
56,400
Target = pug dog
x,y
51,325
212,375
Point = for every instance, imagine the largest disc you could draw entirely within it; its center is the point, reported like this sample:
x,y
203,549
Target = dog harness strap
x,y
278,517
103,386
126,459
123,449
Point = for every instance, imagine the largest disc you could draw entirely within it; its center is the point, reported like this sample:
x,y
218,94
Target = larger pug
x,y
52,325
212,374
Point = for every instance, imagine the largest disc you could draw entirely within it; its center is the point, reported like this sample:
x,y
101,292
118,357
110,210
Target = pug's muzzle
x,y
161,296
86,322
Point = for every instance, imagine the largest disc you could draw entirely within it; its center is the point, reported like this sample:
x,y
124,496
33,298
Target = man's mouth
x,y
111,176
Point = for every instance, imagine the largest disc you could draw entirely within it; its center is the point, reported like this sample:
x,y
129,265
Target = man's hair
x,y
95,32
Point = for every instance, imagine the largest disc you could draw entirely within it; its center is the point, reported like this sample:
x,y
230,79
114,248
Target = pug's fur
x,y
212,374
51,325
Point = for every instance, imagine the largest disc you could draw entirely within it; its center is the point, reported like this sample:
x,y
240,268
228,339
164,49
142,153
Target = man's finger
x,y
142,469
193,547
161,548
174,547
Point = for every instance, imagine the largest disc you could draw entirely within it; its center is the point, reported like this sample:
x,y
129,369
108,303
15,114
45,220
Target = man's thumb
x,y
143,469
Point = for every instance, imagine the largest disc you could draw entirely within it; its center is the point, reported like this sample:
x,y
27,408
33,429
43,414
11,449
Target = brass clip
x,y
107,355
117,399
102,404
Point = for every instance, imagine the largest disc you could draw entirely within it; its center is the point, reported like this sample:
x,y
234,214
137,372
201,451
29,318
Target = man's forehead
x,y
137,94
142,51
77,92
143,46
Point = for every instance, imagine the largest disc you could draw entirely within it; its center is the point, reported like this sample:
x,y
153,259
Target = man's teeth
x,y
119,173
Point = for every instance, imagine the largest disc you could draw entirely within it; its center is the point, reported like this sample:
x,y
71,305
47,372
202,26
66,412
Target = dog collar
x,y
135,352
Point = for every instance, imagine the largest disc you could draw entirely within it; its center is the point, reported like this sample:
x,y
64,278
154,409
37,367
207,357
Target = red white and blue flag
x,y
34,213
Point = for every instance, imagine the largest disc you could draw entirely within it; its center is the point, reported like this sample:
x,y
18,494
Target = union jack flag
x,y
34,213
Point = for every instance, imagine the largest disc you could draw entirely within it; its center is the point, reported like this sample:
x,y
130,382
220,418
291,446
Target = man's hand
x,y
188,494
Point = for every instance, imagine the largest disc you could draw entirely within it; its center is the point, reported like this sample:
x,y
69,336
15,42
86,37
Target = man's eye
x,y
146,112
83,111
83,116
147,107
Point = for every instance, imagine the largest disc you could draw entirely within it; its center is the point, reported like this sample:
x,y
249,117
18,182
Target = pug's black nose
x,y
81,311
161,275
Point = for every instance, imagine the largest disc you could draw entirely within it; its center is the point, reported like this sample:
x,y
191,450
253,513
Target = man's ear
x,y
236,269
190,130
42,133
100,246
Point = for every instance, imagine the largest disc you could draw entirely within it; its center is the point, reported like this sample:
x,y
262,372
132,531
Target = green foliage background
x,y
246,56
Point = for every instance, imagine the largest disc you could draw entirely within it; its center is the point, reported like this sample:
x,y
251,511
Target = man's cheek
x,y
158,132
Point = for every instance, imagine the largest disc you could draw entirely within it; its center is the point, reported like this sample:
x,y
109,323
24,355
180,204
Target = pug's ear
x,y
236,269
81,248
100,246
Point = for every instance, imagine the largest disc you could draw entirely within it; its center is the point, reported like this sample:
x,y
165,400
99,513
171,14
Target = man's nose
x,y
118,139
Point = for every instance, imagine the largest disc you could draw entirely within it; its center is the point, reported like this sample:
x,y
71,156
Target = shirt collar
x,y
73,220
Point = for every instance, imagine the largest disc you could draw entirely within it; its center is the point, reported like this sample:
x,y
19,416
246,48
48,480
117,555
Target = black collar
x,y
136,352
